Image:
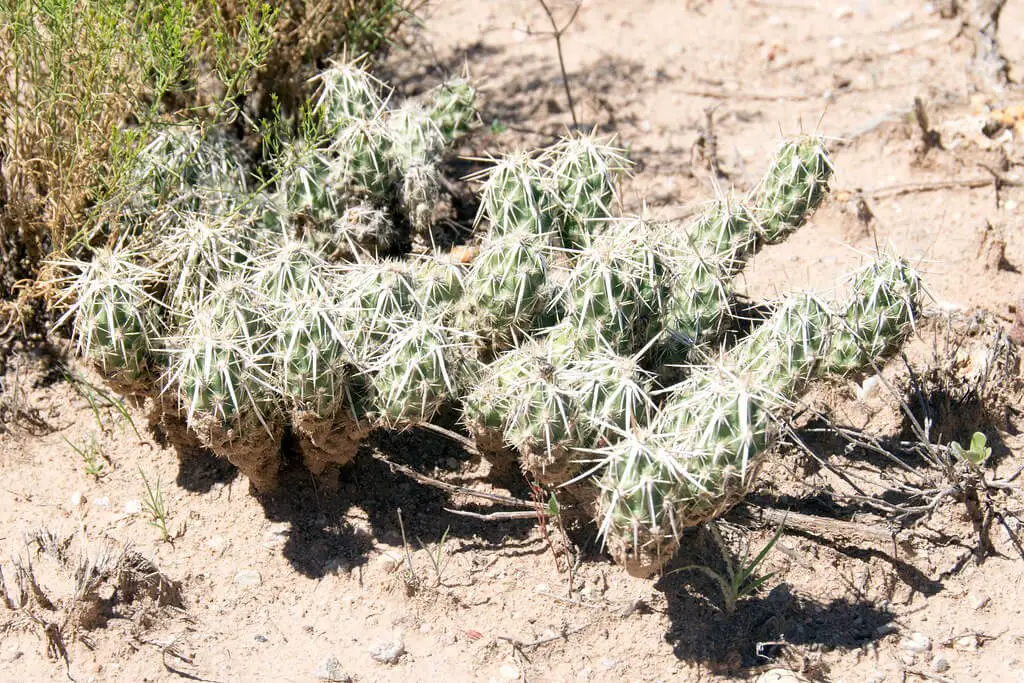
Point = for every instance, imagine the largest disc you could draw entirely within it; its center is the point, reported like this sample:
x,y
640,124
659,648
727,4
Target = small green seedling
x,y
738,581
93,456
498,127
439,556
977,454
155,506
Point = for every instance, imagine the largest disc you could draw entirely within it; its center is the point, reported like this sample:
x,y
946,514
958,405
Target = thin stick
x,y
454,436
815,525
496,516
909,188
445,486
518,644
557,33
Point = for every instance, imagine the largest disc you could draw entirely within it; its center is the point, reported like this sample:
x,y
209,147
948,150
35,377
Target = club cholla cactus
x,y
703,449
116,320
220,368
592,348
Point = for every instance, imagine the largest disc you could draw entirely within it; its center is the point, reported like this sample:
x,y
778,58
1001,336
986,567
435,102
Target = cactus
x,y
115,317
504,289
189,169
380,299
614,393
347,93
514,198
709,437
302,184
557,339
615,290
440,285
452,108
879,316
795,184
415,376
584,174
420,199
363,167
220,369
415,138
362,231
524,396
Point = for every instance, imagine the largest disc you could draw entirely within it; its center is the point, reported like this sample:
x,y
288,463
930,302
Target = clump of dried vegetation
x,y
83,84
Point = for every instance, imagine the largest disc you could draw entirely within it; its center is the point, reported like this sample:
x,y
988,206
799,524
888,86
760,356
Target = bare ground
x,y
273,587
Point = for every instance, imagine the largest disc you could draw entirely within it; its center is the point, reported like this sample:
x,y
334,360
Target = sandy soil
x,y
318,584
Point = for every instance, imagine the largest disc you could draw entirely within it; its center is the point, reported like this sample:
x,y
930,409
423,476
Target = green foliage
x,y
976,455
738,580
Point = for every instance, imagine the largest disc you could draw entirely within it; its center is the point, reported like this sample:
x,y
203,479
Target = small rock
x,y
260,638
940,665
385,563
508,672
103,502
842,12
217,543
276,536
967,643
908,658
132,507
388,652
780,676
869,388
979,601
424,628
886,629
609,663
541,588
917,642
248,577
330,670
78,498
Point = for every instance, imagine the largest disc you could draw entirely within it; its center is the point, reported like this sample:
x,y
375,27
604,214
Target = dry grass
x,y
83,82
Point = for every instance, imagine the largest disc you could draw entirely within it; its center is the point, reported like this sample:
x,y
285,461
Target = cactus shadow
x,y
199,470
335,527
759,629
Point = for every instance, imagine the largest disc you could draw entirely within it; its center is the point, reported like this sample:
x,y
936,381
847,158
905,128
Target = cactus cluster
x,y
590,346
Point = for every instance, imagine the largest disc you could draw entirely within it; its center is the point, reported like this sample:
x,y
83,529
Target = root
x,y
327,442
253,448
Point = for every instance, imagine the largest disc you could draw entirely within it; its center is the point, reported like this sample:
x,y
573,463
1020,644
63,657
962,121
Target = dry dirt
x,y
272,588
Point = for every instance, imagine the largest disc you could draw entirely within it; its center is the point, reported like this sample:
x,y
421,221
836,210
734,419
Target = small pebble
x,y
940,665
886,629
541,588
842,12
248,577
330,670
388,652
508,672
77,498
869,388
967,643
103,502
979,601
260,638
132,507
217,543
917,642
